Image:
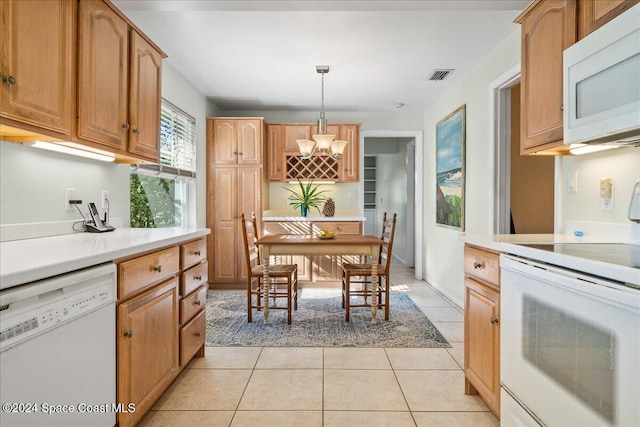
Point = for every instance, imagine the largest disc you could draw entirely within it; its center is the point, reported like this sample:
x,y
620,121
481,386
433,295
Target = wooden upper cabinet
x,y
145,99
236,141
350,162
293,132
548,28
249,141
103,70
592,14
38,63
275,153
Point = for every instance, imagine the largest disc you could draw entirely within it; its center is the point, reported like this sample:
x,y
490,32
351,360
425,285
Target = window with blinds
x,y
177,142
162,195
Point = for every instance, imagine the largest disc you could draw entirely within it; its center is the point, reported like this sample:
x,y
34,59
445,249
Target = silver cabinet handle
x,y
10,80
197,253
197,277
477,265
126,126
128,333
197,302
493,320
136,130
158,268
197,334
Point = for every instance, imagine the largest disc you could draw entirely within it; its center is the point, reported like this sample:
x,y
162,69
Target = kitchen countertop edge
x,y
25,261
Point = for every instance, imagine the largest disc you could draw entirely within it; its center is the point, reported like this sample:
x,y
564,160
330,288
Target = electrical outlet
x,y
105,199
69,194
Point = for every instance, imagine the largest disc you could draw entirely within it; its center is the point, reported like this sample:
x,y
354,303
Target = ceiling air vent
x,y
439,74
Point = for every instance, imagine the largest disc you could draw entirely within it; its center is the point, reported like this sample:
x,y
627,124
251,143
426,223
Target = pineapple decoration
x,y
329,207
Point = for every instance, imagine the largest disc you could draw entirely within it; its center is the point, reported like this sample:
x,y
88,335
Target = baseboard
x,y
446,295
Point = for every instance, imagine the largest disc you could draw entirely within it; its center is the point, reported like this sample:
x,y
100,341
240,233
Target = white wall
x,y
32,181
442,248
621,165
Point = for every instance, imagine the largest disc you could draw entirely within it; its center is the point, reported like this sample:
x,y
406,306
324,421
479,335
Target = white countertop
x,y
312,218
513,244
498,242
23,261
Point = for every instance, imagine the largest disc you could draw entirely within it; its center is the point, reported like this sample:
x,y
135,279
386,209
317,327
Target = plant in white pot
x,y
309,196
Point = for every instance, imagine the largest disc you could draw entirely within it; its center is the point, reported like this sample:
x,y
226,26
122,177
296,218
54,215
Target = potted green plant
x,y
309,196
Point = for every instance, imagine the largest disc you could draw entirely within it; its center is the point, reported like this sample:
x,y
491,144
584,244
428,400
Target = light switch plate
x,y
572,182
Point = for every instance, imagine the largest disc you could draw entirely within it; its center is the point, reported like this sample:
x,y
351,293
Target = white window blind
x,y
177,142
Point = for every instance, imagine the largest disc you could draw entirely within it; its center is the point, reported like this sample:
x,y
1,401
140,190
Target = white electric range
x,y
570,334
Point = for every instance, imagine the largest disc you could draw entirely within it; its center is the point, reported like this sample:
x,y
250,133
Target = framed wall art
x,y
450,175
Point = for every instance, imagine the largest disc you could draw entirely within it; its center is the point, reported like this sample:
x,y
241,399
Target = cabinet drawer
x,y
192,337
140,273
193,252
193,278
192,304
338,227
292,227
482,264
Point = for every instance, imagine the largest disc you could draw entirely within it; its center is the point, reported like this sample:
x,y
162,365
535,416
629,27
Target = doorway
x,y
524,186
397,173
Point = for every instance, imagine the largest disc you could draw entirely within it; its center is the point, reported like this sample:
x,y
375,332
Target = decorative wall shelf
x,y
317,168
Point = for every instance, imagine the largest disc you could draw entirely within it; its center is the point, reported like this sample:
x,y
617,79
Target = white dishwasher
x,y
58,350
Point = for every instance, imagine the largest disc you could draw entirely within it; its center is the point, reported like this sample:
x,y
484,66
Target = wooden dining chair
x,y
284,277
360,274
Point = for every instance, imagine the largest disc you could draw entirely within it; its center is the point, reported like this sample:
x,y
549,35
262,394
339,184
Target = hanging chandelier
x,y
323,142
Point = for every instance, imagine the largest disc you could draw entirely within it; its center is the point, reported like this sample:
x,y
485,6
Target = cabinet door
x,y
482,342
592,14
102,75
38,63
225,230
293,132
145,99
249,200
249,134
223,141
350,162
547,30
147,348
275,156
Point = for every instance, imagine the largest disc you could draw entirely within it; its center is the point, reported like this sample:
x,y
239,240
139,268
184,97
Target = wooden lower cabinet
x,y
148,359
482,326
160,322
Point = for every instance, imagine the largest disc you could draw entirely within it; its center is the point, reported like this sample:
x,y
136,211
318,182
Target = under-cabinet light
x,y
579,149
70,148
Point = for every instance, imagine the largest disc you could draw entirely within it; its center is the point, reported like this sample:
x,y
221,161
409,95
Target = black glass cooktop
x,y
622,254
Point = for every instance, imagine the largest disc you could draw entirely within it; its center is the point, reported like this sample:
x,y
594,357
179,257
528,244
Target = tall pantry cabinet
x,y
234,186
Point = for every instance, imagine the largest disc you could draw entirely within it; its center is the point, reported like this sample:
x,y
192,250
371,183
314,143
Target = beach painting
x,y
450,149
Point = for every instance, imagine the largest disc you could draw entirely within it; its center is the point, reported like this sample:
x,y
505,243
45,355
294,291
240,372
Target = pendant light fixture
x,y
323,142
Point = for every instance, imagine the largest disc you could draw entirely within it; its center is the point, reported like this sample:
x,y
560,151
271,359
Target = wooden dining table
x,y
343,244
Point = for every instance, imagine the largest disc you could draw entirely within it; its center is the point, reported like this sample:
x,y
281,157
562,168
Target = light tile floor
x,y
285,386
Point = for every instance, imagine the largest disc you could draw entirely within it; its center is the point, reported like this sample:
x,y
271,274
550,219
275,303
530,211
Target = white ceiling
x,y
261,55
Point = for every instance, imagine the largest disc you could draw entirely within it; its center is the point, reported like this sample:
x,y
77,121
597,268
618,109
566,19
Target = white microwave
x,y
601,84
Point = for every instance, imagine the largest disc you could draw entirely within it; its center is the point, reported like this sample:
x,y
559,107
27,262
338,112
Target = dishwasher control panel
x,y
35,314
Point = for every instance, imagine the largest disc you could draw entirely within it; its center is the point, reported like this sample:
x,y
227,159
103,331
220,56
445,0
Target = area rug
x,y
318,322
